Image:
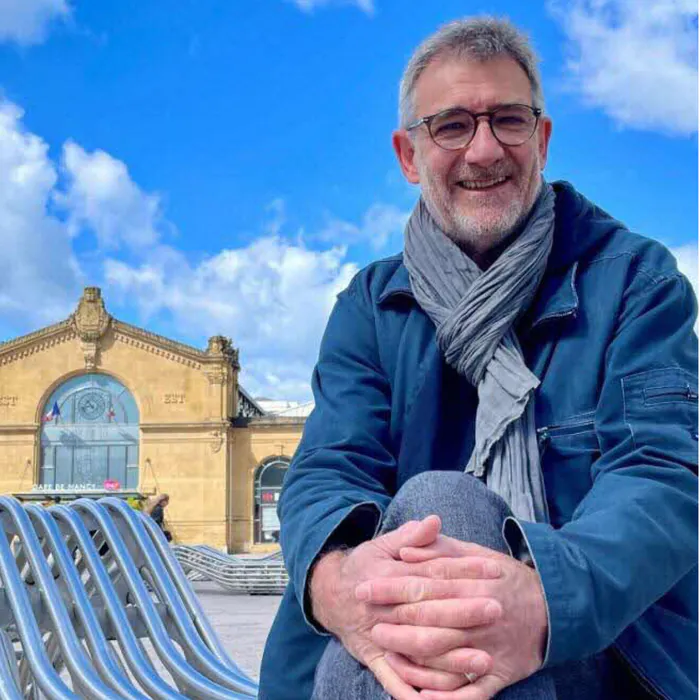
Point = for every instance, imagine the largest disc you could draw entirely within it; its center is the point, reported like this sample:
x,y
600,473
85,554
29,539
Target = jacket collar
x,y
580,227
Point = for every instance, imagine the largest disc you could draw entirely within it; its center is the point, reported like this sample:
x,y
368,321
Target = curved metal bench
x,y
83,586
264,575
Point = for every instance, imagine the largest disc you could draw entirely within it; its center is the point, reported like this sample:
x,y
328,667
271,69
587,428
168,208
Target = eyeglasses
x,y
511,125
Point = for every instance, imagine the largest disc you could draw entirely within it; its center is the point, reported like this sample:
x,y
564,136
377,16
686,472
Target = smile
x,y
481,184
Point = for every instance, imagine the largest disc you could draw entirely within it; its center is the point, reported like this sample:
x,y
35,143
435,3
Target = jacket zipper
x,y
544,434
648,686
661,392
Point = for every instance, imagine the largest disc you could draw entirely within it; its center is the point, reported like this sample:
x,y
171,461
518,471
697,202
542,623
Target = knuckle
x,y
416,591
438,569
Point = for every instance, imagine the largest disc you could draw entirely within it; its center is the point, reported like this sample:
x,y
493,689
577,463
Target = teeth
x,y
482,184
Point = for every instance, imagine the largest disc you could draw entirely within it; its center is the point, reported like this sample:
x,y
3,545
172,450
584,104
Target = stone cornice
x,y
158,345
28,428
170,349
31,343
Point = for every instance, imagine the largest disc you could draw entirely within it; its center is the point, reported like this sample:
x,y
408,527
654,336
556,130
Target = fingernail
x,y
492,610
492,568
363,591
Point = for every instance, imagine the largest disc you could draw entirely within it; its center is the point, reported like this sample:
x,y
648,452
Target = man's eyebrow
x,y
488,108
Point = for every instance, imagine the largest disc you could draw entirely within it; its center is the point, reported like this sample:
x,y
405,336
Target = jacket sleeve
x,y
634,535
336,488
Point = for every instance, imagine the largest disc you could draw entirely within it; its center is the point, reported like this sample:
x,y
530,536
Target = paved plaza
x,y
241,621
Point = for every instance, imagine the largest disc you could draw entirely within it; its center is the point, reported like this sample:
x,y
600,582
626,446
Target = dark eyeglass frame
x,y
536,111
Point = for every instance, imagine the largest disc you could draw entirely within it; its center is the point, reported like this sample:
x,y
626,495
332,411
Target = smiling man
x,y
496,494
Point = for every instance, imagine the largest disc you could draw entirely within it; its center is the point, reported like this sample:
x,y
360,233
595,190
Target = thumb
x,y
414,533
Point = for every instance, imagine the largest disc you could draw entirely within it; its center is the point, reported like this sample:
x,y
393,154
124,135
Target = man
x,y
496,493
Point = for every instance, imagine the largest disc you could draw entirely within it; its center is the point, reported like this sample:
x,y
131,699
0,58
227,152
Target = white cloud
x,y
382,226
367,6
39,274
27,22
636,60
102,197
272,297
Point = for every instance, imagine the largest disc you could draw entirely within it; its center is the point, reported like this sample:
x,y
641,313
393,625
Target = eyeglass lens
x,y
512,125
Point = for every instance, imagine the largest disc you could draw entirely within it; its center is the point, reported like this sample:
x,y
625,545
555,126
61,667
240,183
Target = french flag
x,y
53,413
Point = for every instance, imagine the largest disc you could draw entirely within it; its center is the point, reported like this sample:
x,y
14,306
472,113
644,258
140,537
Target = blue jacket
x,y
610,335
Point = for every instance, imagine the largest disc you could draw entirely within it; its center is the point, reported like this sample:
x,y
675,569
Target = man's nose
x,y
484,149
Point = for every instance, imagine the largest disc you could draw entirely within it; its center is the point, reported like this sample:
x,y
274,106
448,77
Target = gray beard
x,y
475,236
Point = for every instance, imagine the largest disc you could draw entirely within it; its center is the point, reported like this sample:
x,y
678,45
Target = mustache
x,y
482,174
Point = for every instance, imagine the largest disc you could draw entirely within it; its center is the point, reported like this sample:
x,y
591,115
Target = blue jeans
x,y
472,513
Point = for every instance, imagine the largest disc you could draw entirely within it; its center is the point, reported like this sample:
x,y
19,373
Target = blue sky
x,y
226,167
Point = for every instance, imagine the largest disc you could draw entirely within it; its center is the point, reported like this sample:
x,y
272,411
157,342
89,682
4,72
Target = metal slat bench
x,y
265,575
83,587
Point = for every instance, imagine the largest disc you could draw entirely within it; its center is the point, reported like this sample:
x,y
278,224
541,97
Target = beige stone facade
x,y
201,439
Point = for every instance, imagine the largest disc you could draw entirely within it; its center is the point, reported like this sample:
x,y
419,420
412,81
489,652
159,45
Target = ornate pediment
x,y
89,324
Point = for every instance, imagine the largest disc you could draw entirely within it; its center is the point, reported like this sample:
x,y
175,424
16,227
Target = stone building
x,y
93,404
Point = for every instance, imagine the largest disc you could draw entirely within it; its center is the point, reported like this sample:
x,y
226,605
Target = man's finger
x,y
457,568
413,589
445,546
422,676
459,661
415,533
484,688
457,613
421,642
390,680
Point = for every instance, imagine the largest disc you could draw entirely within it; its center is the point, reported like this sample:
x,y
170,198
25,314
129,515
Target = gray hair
x,y
476,38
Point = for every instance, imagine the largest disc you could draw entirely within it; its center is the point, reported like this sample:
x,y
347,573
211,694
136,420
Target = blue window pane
x,y
64,465
117,463
48,471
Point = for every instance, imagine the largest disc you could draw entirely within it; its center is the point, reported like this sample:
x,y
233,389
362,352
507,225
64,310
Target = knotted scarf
x,y
474,312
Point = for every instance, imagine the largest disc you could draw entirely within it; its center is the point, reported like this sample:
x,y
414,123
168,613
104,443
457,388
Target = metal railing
x,y
265,575
86,588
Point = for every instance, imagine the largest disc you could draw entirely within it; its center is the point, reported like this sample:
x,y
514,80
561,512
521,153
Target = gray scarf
x,y
474,313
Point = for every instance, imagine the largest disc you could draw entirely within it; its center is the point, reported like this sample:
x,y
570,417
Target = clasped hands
x,y
423,610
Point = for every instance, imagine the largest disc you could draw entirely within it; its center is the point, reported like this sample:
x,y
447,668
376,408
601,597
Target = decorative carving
x,y
173,398
91,319
8,400
216,375
221,345
217,440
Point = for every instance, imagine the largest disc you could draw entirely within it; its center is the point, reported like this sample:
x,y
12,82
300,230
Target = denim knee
x,y
468,509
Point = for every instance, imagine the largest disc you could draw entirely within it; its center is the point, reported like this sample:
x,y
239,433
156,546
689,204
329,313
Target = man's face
x,y
476,219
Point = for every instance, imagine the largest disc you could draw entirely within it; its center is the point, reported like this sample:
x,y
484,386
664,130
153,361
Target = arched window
x,y
90,435
268,484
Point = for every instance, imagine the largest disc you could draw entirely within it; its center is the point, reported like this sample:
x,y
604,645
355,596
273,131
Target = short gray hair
x,y
476,38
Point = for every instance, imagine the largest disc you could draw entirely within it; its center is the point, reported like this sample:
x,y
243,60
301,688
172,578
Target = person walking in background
x,y
155,507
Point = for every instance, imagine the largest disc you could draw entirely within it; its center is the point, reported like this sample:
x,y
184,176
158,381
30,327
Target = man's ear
x,y
544,133
405,152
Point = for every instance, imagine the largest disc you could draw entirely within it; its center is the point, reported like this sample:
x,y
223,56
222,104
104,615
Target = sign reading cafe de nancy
x,y
91,405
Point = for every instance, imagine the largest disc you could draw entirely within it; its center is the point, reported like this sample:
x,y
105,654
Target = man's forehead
x,y
454,81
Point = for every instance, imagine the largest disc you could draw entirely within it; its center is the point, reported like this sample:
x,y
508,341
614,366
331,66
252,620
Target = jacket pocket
x,y
567,452
574,436
661,412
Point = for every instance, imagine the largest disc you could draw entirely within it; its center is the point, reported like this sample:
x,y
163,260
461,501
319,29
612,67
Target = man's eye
x,y
510,122
450,127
